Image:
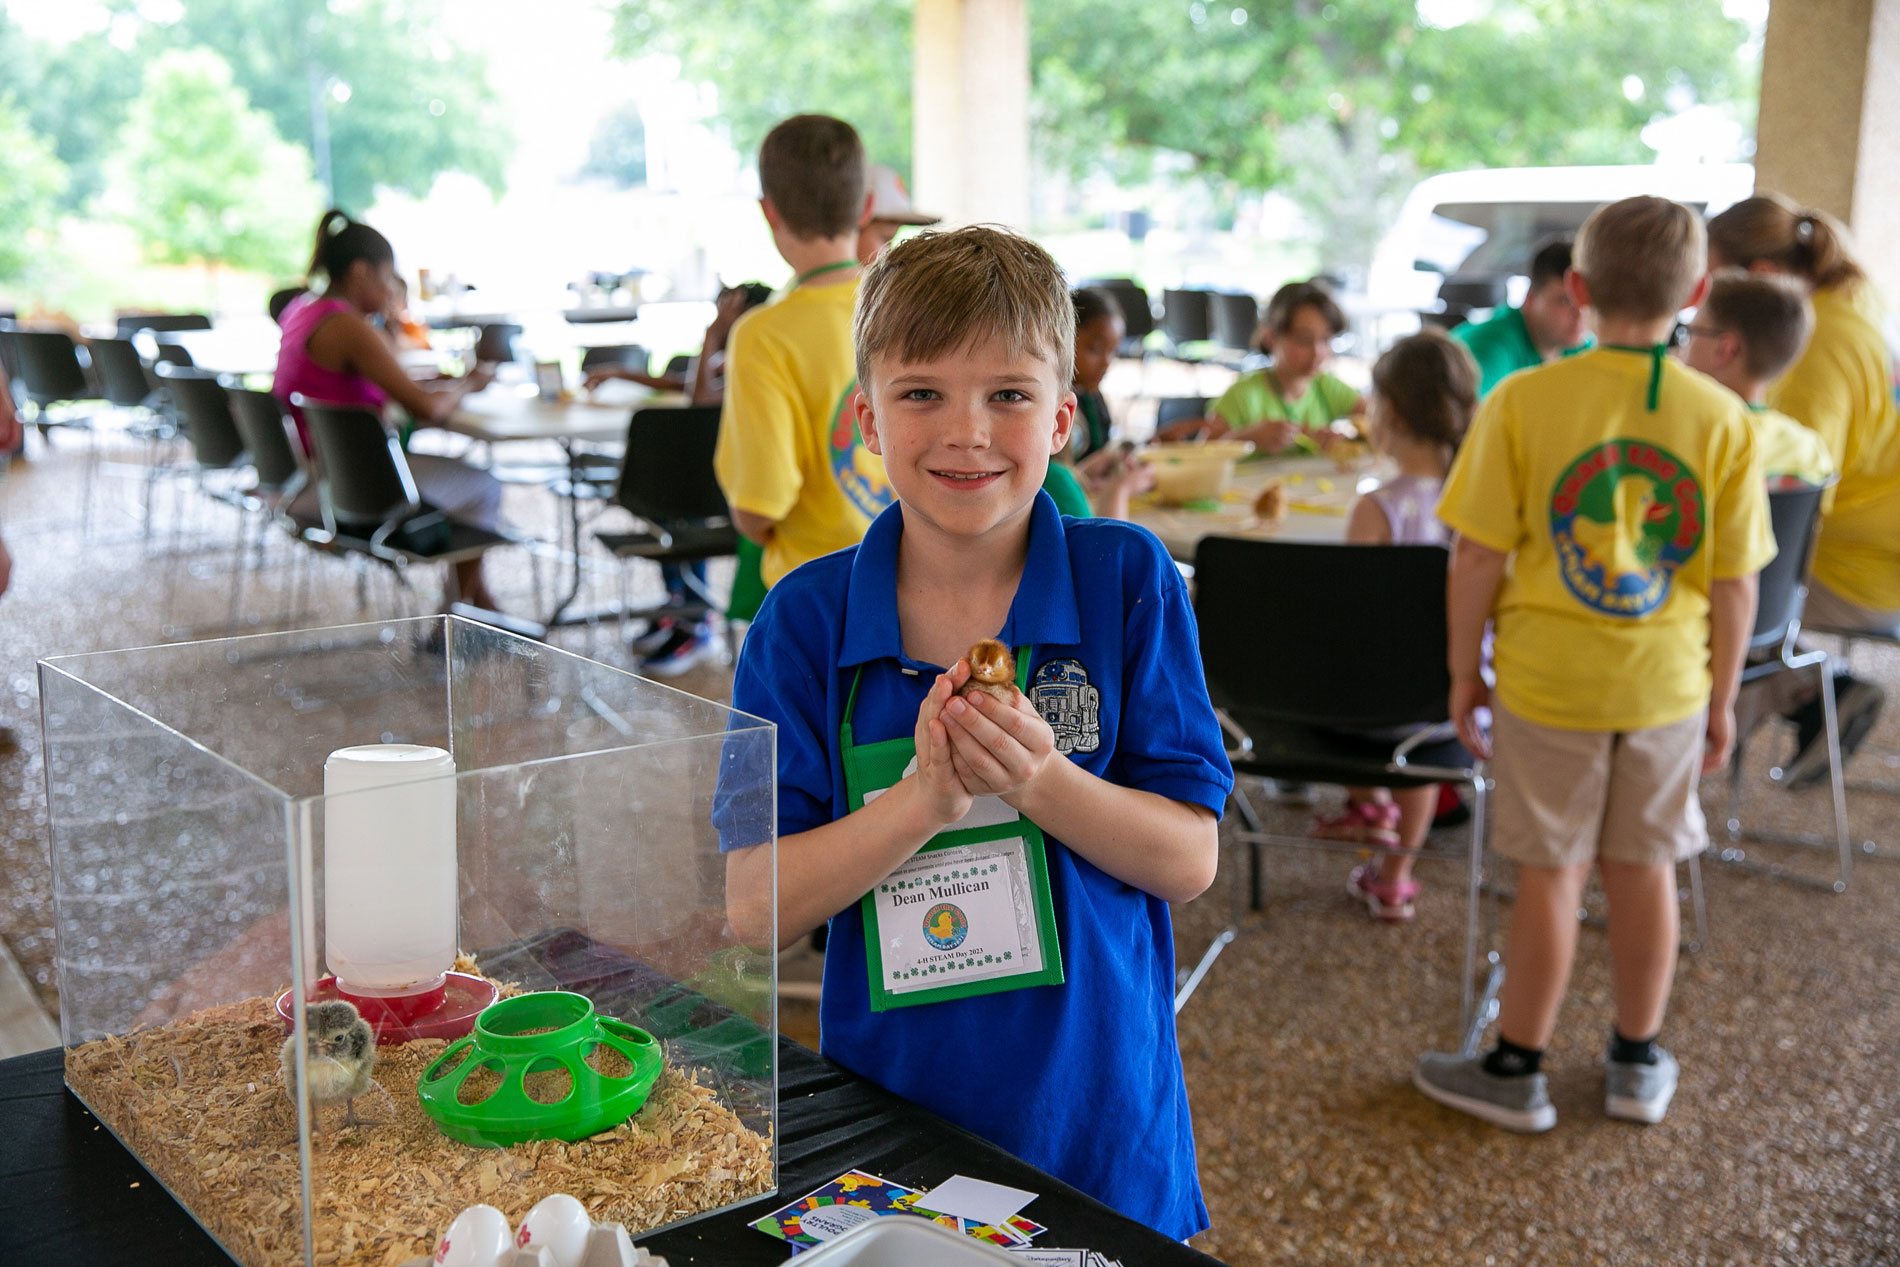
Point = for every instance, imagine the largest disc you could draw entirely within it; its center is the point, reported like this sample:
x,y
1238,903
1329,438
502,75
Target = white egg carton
x,y
608,1245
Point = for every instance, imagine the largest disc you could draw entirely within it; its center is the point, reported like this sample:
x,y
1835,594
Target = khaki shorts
x,y
1573,796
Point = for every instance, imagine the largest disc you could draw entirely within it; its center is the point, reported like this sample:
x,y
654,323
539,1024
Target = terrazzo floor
x,y
1783,1146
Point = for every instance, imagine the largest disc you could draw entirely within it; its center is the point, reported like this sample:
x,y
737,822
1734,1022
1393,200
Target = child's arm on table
x,y
823,871
1471,592
1161,846
1731,618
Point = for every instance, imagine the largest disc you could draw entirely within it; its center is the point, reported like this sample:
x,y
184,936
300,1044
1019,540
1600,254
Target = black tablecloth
x,y
66,1194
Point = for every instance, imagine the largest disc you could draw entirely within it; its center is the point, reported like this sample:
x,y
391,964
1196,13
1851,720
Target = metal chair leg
x,y
1477,1013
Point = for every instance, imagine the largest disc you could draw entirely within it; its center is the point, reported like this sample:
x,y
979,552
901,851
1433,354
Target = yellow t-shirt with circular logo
x,y
789,447
1842,389
1617,519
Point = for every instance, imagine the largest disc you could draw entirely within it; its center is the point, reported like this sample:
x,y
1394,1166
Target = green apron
x,y
970,912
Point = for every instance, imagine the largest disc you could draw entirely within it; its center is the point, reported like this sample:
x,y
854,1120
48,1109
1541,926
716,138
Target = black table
x,y
66,1194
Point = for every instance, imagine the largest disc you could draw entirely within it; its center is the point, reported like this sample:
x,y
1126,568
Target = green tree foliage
x,y
774,58
31,180
618,150
1339,104
402,101
75,94
204,178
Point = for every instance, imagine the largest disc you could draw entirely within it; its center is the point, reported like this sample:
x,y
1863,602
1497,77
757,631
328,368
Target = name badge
x,y
958,915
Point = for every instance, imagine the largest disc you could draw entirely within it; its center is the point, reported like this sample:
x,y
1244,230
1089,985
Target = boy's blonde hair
x,y
937,292
1769,313
1641,257
812,168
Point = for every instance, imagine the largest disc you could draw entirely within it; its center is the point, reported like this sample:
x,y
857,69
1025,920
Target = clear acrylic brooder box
x,y
200,907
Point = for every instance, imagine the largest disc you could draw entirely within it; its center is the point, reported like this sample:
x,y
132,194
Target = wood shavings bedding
x,y
201,1102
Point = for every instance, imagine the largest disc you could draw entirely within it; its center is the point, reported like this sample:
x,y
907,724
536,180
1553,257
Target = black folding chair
x,y
628,355
667,482
1138,316
1795,514
53,374
370,504
496,343
1172,409
1236,318
1296,683
1187,316
268,437
131,323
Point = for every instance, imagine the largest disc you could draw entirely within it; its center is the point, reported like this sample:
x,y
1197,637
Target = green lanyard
x,y
950,891
1655,352
822,269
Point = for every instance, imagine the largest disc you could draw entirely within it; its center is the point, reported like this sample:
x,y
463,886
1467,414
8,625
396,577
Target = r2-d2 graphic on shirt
x,y
1071,707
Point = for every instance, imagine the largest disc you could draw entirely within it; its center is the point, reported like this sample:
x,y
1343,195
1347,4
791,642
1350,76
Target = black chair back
x,y
1323,635
265,430
122,373
52,367
363,475
680,366
205,412
1236,317
131,323
496,343
1138,315
1794,514
1187,316
174,354
666,476
629,355
1175,408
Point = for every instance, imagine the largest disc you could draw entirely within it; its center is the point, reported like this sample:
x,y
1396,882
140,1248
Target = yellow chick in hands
x,y
341,1054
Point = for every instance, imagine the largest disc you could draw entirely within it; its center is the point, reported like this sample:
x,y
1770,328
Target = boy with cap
x,y
1625,494
890,212
995,873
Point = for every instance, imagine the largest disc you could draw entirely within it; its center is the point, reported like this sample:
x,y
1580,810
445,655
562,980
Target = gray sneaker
x,y
1639,1093
1460,1082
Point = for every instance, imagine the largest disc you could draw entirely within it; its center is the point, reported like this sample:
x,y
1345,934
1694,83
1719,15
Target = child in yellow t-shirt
x,y
794,469
1751,327
1612,518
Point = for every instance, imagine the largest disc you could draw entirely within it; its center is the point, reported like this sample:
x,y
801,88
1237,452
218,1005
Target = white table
x,y
507,412
1319,497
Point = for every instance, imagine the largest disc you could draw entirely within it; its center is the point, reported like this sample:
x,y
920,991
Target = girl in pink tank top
x,y
1424,390
330,352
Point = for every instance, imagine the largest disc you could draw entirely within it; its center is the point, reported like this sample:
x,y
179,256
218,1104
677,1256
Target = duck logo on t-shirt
x,y
1623,518
1073,708
859,472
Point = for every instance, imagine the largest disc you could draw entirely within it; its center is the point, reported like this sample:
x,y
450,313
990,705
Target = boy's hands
x,y
997,749
1468,695
1720,737
939,785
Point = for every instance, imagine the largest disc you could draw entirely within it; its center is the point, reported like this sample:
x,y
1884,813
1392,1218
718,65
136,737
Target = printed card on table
x,y
836,1208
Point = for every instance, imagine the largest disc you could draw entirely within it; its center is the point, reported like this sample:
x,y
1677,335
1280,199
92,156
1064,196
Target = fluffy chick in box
x,y
341,1053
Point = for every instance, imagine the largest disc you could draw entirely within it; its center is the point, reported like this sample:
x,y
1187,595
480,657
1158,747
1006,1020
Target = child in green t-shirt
x,y
1287,405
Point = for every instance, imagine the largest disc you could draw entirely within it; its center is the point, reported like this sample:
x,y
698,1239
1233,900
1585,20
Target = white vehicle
x,y
1463,240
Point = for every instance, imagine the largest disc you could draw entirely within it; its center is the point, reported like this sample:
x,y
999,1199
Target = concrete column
x,y
1829,130
970,110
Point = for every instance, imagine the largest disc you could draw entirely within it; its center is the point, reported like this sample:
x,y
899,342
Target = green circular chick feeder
x,y
521,1047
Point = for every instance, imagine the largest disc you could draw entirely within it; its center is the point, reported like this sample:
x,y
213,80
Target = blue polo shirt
x,y
1084,1078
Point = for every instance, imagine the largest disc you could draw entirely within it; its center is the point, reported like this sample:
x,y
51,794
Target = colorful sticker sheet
x,y
858,1197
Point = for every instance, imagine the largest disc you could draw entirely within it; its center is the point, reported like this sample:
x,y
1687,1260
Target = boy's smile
x,y
966,437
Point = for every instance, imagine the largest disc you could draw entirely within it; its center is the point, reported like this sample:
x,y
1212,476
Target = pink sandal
x,y
1389,902
1362,822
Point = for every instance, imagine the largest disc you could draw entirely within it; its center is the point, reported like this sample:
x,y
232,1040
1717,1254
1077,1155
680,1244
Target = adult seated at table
x,y
1288,406
1547,325
706,385
331,352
